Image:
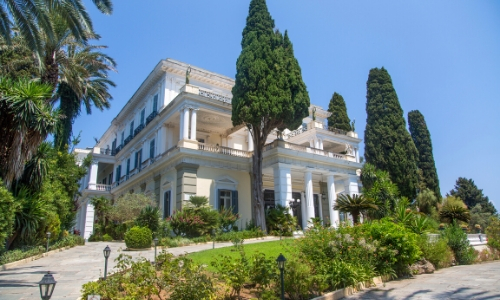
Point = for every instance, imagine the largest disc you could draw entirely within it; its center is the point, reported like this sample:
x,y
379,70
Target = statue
x,y
314,114
188,74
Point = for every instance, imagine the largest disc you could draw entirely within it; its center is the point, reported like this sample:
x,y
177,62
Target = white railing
x,y
287,145
103,187
212,95
223,150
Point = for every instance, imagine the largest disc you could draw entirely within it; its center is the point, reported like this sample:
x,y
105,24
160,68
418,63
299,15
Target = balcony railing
x,y
127,140
151,117
99,187
334,130
224,150
287,145
138,129
212,95
105,151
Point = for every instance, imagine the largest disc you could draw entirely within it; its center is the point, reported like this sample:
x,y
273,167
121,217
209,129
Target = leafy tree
x,y
471,195
493,232
454,210
478,216
388,145
83,80
422,139
268,93
426,202
339,118
378,186
26,121
17,60
8,207
150,218
128,206
355,205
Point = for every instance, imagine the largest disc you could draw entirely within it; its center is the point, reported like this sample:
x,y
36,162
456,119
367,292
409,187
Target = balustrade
x,y
223,150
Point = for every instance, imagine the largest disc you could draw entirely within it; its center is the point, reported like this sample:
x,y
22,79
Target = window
x,y
128,167
110,178
152,149
113,146
138,157
123,137
166,204
132,128
317,206
104,180
118,173
143,116
228,200
155,103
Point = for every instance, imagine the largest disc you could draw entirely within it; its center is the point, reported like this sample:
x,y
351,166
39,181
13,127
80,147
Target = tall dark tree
x,y
422,139
268,93
388,145
339,118
471,195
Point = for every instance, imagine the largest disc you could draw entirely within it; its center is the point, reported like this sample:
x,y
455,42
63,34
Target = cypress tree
x,y
422,139
388,145
269,91
339,118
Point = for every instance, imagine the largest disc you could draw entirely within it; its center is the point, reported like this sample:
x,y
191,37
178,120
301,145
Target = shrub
x,y
8,209
227,219
138,237
459,244
194,221
128,207
18,254
107,238
149,217
493,233
234,272
299,283
437,252
279,221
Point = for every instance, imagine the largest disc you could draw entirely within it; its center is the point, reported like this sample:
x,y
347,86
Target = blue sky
x,y
443,57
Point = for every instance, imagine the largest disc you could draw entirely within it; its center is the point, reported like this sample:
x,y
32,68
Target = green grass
x,y
271,249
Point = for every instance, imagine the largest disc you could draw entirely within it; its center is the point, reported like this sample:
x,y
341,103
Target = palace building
x,y
174,139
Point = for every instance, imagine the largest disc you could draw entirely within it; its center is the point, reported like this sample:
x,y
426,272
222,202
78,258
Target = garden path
x,y
472,282
76,266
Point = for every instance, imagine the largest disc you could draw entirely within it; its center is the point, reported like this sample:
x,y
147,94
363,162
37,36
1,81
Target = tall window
x,y
155,103
166,204
132,128
123,137
152,149
113,146
110,178
138,158
143,116
128,167
228,200
118,173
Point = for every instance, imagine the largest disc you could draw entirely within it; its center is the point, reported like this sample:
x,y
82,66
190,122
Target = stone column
x,y
351,188
89,220
311,143
185,127
93,175
250,141
356,150
181,124
193,124
282,184
308,187
320,144
316,143
332,200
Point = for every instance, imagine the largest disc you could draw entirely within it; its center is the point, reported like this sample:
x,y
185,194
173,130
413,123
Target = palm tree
x,y
83,81
31,18
25,121
454,209
355,205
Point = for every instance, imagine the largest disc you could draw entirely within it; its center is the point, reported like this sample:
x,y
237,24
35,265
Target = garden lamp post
x,y
107,252
47,285
48,239
281,265
156,244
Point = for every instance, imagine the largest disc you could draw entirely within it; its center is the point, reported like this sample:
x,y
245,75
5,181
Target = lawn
x,y
271,249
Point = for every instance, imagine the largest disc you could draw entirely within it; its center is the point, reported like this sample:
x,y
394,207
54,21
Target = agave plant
x,y
355,205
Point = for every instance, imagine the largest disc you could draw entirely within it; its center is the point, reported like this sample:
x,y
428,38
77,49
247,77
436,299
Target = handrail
x,y
224,150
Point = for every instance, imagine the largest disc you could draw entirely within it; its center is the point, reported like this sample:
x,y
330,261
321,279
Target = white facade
x,y
174,140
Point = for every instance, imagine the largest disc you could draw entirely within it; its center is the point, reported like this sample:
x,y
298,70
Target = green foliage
x,y
479,216
17,60
459,244
198,201
388,145
234,272
471,195
340,274
493,233
150,218
269,91
437,252
427,202
196,219
339,118
227,219
107,238
280,222
8,209
422,140
138,237
454,210
129,206
377,185
355,205
298,279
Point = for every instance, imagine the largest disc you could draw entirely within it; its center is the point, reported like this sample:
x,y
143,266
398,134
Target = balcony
x,y
117,149
282,144
105,151
138,129
224,150
99,187
151,117
127,140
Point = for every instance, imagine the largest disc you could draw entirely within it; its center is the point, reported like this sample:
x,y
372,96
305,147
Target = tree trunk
x,y
355,217
258,212
51,72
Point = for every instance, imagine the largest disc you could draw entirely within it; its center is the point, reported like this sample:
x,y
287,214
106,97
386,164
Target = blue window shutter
x,y
217,197
234,203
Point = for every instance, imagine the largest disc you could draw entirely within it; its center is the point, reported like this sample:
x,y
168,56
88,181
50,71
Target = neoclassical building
x,y
174,139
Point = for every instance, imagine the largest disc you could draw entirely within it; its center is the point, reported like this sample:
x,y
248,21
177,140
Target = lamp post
x,y
47,285
48,239
107,252
281,265
156,244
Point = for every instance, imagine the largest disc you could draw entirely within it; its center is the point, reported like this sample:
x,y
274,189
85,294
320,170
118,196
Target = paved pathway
x,y
473,282
76,266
